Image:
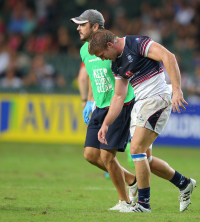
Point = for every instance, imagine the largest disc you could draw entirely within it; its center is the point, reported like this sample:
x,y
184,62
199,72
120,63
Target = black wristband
x,y
84,100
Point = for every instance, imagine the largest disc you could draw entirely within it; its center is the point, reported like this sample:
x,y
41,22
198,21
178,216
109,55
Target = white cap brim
x,y
78,21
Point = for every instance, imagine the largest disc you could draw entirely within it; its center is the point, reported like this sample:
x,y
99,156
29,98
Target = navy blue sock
x,y
144,197
179,180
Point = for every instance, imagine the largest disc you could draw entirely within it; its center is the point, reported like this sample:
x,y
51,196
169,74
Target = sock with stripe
x,y
179,180
144,197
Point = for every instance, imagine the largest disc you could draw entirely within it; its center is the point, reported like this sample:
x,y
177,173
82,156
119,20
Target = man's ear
x,y
95,27
109,44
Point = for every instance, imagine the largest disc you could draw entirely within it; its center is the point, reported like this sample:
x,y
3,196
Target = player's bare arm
x,y
83,84
159,53
90,96
121,87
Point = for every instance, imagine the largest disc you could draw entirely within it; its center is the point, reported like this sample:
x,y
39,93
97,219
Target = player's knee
x,y
107,157
139,156
89,156
137,153
135,149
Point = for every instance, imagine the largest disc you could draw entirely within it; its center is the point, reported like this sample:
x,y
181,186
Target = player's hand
x,y
178,101
86,112
102,134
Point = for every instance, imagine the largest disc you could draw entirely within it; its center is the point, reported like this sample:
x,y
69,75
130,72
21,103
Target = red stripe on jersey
x,y
149,74
144,45
151,71
146,77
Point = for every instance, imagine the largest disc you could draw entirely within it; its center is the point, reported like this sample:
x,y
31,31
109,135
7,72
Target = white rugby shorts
x,y
151,113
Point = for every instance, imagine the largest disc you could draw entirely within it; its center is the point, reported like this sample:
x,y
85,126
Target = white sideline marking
x,y
98,188
53,188
31,188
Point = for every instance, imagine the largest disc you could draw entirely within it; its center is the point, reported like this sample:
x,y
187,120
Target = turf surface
x,y
42,182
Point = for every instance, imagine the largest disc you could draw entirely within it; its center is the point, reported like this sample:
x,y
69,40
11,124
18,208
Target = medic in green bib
x,y
102,88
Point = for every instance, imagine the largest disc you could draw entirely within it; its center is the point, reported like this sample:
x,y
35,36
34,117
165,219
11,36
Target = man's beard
x,y
84,39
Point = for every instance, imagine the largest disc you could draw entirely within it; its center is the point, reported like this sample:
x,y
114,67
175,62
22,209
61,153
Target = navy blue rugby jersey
x,y
133,64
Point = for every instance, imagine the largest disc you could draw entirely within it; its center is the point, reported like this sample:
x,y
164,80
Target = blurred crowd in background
x,y
39,46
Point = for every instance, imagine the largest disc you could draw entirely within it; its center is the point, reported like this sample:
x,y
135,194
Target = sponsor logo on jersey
x,y
137,39
93,60
129,74
129,57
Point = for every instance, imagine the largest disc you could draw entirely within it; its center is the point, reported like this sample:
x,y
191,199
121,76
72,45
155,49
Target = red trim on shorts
x,y
163,99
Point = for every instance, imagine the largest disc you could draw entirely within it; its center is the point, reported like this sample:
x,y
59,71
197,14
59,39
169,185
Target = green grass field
x,y
44,182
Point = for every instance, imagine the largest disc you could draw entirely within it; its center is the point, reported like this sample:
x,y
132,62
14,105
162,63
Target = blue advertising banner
x,y
182,129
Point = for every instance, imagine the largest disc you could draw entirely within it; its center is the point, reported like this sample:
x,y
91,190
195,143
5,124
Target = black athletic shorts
x,y
118,132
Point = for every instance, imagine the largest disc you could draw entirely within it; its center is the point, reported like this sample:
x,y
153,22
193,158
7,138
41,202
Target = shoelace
x,y
137,208
184,196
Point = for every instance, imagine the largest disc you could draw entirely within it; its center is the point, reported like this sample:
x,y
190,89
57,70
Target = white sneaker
x,y
133,193
136,208
185,195
121,205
